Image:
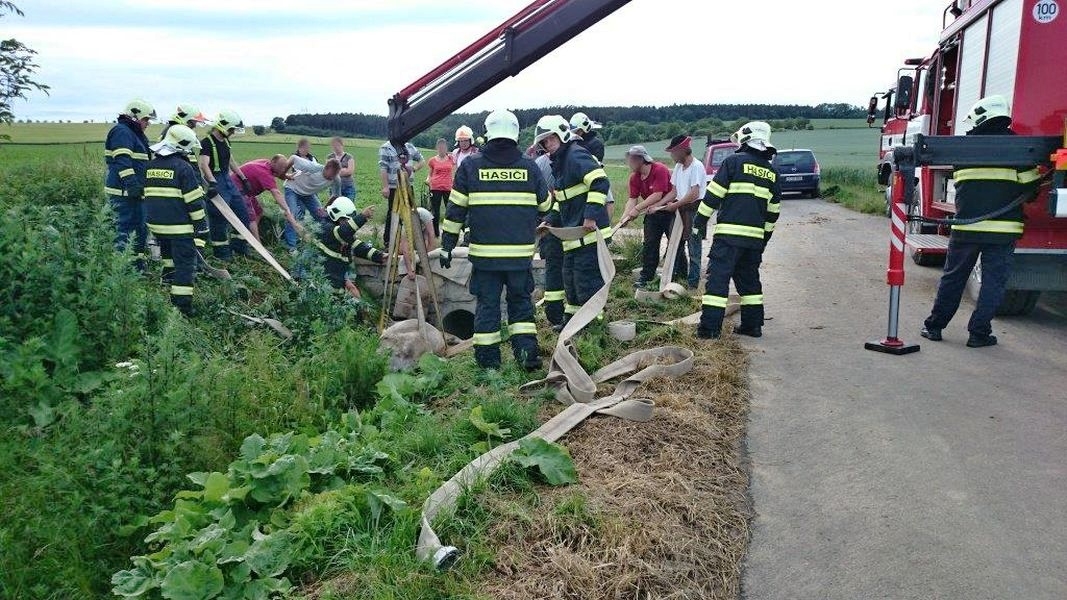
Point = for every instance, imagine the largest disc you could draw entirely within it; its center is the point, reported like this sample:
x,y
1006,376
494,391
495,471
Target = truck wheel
x,y
1017,303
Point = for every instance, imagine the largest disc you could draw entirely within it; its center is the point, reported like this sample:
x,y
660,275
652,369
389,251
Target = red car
x,y
717,152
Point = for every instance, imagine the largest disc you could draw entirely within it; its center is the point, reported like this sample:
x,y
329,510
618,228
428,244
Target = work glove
x,y
135,192
246,186
212,189
446,259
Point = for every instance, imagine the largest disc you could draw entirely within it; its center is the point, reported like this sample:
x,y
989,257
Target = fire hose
x,y
573,386
1023,198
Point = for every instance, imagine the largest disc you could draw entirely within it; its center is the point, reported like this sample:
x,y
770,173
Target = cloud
x,y
268,59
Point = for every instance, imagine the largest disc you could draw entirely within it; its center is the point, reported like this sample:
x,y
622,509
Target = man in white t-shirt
x,y
688,182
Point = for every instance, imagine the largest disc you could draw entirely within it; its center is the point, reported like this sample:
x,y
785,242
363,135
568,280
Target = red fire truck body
x,y
1017,48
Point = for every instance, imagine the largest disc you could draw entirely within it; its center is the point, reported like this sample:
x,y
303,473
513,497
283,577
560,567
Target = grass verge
x,y
853,188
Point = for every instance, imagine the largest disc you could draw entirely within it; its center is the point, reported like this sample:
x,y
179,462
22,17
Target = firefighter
x,y
174,206
585,128
501,196
216,164
339,244
464,145
581,190
551,250
746,194
126,157
982,191
188,115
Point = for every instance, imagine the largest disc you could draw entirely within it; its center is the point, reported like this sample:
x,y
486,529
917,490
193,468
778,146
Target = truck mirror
x,y
872,110
903,101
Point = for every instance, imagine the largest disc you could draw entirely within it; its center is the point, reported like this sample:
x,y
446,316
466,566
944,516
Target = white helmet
x,y
229,119
552,125
502,124
464,133
340,207
580,120
987,108
756,134
139,109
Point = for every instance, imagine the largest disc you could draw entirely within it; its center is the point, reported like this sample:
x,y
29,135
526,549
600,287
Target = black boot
x,y
749,331
981,341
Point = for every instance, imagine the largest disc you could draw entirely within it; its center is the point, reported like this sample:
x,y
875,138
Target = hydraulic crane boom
x,y
509,48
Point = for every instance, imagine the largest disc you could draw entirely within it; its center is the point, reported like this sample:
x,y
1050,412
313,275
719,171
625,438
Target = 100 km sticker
x,y
1046,11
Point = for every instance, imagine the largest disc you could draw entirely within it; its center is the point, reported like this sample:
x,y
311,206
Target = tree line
x,y
622,124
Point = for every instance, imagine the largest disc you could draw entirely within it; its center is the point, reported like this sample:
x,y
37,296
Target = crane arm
x,y
522,40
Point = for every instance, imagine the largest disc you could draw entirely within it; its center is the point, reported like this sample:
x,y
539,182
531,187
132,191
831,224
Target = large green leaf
x,y
215,487
192,580
132,583
552,460
268,555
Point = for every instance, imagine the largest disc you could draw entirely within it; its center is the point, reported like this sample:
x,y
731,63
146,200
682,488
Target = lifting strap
x,y
574,387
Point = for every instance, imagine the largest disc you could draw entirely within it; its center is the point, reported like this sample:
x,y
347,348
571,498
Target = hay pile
x,y
661,509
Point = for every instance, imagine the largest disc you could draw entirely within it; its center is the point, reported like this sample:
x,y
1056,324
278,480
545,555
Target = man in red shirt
x,y
261,176
649,183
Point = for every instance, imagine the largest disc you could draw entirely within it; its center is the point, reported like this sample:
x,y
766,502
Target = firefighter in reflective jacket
x,y
982,191
174,207
339,244
581,188
126,156
746,194
501,196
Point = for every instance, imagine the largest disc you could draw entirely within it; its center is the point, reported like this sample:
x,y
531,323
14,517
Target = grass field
x,y
109,399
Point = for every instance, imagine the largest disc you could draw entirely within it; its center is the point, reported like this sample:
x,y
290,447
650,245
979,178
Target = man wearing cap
x,y
746,194
688,181
390,161
650,181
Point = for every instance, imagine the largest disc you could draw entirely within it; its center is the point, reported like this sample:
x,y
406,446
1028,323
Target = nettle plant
x,y
231,538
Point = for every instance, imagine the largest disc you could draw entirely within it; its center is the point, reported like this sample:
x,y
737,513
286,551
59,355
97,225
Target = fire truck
x,y
1011,47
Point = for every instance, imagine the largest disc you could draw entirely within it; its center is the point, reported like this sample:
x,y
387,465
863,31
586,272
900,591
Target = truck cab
x,y
1008,47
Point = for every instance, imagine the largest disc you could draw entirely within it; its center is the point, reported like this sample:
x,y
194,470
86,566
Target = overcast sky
x,y
265,58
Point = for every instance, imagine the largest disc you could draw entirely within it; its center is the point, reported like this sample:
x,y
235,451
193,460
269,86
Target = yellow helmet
x,y
139,109
229,119
182,139
188,112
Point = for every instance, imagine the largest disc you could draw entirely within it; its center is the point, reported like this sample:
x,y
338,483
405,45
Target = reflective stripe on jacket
x,y
174,200
984,190
746,194
501,196
581,189
126,156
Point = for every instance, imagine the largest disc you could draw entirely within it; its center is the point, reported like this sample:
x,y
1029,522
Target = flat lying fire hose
x,y
236,223
668,290
574,387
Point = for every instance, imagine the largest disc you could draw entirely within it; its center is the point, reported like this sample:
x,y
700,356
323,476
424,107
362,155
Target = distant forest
x,y
622,124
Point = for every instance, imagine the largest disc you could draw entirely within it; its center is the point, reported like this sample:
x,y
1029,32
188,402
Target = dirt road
x,y
938,475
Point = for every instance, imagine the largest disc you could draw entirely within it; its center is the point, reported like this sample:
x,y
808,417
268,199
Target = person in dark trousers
x,y
650,182
126,157
581,192
550,248
501,196
982,191
746,194
442,169
338,243
216,164
174,204
391,161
